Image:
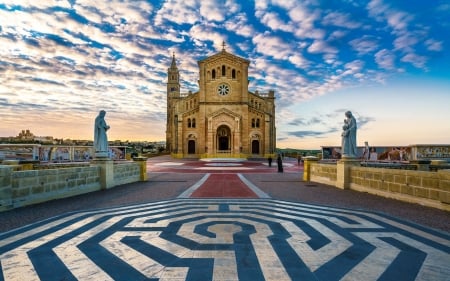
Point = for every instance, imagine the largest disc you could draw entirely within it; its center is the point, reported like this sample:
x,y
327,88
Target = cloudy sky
x,y
61,61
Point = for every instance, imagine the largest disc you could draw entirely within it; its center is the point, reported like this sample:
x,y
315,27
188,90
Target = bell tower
x,y
173,94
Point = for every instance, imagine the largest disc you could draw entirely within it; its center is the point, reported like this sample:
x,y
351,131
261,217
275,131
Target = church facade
x,y
223,119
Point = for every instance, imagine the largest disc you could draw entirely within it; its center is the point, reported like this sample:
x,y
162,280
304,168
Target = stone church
x,y
223,119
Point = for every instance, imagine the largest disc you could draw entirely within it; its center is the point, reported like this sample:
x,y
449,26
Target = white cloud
x,y
414,59
340,19
364,45
319,46
385,59
434,45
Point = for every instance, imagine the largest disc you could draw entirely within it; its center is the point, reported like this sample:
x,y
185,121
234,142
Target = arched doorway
x,y
223,139
191,147
255,147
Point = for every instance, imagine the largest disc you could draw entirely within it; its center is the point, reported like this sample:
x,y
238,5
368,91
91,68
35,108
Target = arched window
x,y
257,123
213,74
253,123
233,74
193,122
189,124
223,70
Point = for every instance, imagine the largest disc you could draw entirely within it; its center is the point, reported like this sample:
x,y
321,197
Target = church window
x,y
223,70
193,122
189,122
253,123
213,74
233,74
257,123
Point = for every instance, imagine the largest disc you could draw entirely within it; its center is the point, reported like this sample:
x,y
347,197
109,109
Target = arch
x,y
213,74
223,138
193,122
191,146
255,146
224,70
233,74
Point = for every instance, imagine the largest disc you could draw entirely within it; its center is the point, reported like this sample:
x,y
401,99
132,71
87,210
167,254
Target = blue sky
x,y
386,61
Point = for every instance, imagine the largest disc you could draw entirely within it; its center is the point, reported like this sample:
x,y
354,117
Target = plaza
x,y
224,220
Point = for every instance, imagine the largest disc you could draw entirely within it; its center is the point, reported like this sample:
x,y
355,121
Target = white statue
x,y
100,137
349,136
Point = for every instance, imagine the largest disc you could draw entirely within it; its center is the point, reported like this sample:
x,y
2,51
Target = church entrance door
x,y
255,147
191,147
223,139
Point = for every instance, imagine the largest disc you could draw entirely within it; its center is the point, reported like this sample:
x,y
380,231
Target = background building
x,y
222,119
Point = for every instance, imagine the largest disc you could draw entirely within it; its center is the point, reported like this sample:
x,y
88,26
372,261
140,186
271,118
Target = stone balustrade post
x,y
444,186
142,161
343,171
5,187
307,161
106,172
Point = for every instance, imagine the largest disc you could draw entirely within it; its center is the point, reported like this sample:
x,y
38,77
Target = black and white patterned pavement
x,y
224,239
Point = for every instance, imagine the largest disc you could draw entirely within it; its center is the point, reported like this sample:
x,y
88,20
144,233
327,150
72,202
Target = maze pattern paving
x,y
224,239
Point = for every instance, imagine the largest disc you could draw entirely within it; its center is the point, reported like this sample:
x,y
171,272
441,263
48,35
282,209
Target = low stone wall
x,y
422,187
20,188
26,187
126,173
324,173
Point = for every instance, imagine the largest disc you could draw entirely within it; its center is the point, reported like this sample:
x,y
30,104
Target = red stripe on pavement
x,y
223,185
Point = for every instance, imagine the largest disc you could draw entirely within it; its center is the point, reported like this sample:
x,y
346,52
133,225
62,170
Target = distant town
x,y
140,147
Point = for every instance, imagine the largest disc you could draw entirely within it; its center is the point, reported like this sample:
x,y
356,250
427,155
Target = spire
x,y
174,63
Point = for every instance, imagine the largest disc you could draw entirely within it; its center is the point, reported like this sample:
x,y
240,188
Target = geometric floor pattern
x,y
224,239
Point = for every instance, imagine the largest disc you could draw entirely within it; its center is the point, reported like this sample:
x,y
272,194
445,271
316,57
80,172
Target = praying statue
x,y
100,137
349,136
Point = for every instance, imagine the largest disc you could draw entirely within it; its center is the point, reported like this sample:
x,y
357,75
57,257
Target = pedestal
x,y
106,172
343,171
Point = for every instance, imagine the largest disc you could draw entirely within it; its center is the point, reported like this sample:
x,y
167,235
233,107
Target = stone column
x,y
343,171
307,161
106,172
142,161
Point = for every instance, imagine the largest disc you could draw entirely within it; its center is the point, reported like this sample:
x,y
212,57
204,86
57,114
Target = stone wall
x,y
126,173
25,187
422,187
324,173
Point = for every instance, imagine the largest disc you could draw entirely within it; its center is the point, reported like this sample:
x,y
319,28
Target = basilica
x,y
223,119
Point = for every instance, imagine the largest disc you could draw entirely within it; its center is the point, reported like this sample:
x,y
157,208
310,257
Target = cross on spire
x,y
223,45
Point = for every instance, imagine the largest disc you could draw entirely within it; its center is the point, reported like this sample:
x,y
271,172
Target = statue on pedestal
x,y
100,137
349,149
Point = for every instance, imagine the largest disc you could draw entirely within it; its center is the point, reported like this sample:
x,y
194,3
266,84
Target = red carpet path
x,y
223,185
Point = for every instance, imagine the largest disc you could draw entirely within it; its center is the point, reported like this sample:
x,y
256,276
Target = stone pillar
x,y
5,187
106,172
142,161
307,161
444,186
343,171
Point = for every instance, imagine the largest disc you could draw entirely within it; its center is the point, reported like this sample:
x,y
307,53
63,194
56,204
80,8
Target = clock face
x,y
223,90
